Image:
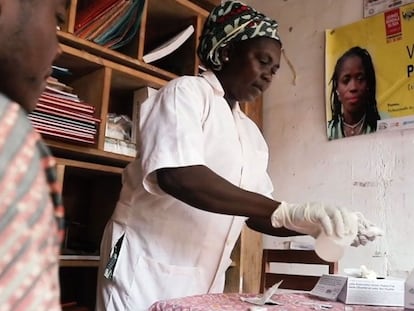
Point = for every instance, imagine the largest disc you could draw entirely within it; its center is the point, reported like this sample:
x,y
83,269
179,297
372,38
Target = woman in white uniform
x,y
202,174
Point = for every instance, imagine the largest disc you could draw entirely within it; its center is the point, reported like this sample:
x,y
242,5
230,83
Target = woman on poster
x,y
353,95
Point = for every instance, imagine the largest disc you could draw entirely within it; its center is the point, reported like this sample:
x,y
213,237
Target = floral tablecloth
x,y
232,302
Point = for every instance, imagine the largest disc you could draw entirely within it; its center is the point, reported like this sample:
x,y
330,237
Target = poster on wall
x,y
369,74
372,7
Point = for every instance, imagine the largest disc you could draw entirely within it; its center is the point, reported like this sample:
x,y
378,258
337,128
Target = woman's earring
x,y
337,95
226,59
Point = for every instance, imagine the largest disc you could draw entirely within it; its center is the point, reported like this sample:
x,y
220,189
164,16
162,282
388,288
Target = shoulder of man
x,y
11,112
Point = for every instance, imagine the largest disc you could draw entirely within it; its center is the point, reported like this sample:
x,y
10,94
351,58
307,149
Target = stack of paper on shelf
x,y
169,46
111,23
120,146
54,83
61,114
118,135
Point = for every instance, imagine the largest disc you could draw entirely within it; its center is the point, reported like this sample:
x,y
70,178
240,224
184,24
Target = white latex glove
x,y
312,218
367,231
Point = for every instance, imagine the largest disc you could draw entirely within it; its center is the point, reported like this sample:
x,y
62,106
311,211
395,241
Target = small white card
x,y
329,286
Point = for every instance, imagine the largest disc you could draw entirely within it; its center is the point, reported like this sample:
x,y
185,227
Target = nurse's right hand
x,y
367,231
313,218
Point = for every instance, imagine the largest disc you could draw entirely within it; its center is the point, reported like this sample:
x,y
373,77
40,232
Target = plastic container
x,y
332,248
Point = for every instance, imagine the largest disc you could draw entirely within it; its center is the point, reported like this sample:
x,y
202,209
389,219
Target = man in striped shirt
x,y
31,212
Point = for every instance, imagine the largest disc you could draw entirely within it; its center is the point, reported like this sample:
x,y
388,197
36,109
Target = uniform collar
x,y
214,82
237,109
211,78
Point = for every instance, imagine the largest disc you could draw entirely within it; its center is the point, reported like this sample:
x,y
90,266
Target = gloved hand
x,y
312,218
367,231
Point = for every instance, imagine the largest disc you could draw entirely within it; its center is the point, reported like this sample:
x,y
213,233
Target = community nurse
x,y
202,174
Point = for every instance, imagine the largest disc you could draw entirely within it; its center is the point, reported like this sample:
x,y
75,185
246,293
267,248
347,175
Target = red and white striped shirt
x,y
31,216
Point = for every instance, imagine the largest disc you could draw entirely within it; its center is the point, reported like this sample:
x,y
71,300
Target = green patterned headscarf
x,y
230,22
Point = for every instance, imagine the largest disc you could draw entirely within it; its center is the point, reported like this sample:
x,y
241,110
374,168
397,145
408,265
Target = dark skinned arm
x,y
201,188
264,225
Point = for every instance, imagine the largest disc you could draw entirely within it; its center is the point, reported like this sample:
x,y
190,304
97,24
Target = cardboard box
x,y
378,292
409,291
359,291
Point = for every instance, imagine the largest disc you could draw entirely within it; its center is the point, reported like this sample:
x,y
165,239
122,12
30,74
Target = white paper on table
x,y
265,298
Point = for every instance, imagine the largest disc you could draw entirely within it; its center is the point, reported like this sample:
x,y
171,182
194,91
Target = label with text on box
x,y
359,291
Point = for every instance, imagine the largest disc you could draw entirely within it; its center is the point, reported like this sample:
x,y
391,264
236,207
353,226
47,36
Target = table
x,y
232,302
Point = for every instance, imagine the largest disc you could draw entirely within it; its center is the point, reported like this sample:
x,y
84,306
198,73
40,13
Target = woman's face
x,y
250,69
352,85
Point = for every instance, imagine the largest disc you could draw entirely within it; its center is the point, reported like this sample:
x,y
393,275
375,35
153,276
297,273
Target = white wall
x,y
371,173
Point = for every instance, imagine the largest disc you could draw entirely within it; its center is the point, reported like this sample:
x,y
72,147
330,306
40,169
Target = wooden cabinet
x,y
91,176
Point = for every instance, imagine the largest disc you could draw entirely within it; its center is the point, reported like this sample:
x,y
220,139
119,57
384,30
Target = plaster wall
x,y
372,173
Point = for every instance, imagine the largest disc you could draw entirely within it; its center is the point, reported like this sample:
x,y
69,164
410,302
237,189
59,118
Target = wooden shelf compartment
x,y
130,49
82,62
86,209
121,95
122,90
114,56
94,79
78,286
98,168
160,19
85,71
163,19
87,153
78,262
